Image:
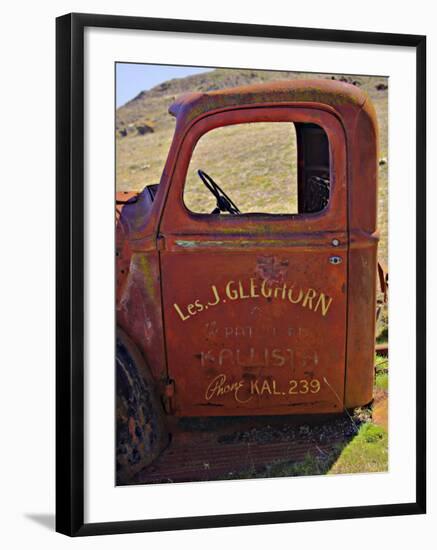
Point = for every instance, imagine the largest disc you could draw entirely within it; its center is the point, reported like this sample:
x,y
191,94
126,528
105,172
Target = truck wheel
x,y
141,427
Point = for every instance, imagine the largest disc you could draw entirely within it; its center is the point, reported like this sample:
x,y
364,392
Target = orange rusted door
x,y
255,305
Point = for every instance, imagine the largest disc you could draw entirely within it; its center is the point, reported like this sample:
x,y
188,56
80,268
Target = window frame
x,y
178,219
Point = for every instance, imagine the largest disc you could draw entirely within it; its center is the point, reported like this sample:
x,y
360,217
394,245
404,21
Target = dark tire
x,y
141,429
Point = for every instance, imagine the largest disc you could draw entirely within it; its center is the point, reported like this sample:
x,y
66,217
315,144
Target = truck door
x,y
255,301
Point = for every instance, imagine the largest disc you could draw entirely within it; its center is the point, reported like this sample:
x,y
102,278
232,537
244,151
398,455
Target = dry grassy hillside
x,y
144,131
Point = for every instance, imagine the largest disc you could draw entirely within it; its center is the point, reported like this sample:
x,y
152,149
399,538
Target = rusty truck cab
x,y
246,313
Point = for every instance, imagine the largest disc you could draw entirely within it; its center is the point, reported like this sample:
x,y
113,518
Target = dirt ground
x,y
204,449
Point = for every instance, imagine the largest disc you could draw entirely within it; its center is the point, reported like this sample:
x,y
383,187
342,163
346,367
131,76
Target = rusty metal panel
x,y
255,306
361,319
323,92
138,284
257,331
363,186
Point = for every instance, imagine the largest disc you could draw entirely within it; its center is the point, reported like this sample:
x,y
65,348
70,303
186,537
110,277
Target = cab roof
x,y
323,91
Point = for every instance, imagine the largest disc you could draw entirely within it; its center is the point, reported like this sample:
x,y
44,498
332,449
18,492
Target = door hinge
x,y
160,242
169,390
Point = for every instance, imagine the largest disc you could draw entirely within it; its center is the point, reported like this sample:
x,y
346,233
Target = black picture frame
x,y
70,273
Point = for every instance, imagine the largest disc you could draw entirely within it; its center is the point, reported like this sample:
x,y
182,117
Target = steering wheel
x,y
224,203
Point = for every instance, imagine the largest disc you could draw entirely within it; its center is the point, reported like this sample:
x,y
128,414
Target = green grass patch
x,y
381,381
310,466
367,452
381,363
381,370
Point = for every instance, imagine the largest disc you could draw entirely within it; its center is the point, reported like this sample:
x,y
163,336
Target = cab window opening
x,y
273,168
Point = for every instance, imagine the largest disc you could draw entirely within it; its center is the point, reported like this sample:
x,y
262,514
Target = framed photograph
x,y
231,199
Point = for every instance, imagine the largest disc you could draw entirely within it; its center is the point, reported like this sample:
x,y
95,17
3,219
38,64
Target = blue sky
x,y
133,78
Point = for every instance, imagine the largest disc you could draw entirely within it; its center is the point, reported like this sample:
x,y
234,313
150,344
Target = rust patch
x,y
272,269
192,105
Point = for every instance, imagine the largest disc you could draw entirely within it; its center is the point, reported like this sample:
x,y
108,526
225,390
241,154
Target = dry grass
x,y
254,163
